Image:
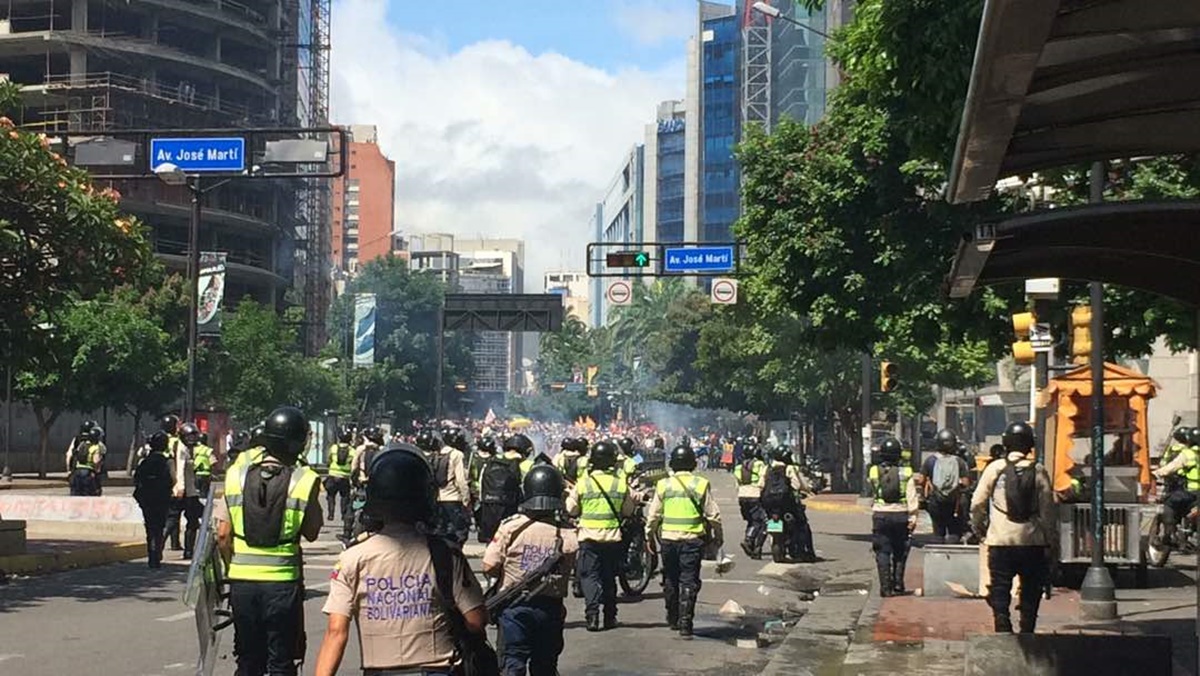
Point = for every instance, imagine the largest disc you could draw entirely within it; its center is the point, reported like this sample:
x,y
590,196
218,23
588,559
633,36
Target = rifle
x,y
533,583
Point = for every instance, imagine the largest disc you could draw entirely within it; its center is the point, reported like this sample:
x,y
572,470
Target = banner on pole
x,y
364,329
212,293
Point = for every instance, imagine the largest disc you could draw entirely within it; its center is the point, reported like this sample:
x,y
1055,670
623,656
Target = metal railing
x,y
173,93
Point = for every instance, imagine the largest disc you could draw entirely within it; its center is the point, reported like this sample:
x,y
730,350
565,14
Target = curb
x,y
819,642
31,564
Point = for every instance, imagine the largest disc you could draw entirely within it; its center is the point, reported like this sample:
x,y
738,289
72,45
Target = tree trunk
x,y
44,424
133,441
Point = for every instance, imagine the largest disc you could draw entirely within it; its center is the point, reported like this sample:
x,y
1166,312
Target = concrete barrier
x,y
944,564
12,537
115,509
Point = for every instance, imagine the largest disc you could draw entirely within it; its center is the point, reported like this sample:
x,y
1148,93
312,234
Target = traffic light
x,y
627,259
888,376
1022,348
1081,334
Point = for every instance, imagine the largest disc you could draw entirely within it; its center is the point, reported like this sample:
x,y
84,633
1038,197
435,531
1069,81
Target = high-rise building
x,y
99,66
662,212
573,287
364,200
494,266
435,253
618,217
720,184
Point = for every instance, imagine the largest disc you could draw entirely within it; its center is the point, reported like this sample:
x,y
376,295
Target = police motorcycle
x,y
639,564
1184,537
785,512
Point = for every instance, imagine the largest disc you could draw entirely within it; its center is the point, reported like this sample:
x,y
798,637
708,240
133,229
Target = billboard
x,y
364,329
212,293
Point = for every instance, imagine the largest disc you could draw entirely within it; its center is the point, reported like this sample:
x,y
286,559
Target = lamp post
x,y
774,13
172,175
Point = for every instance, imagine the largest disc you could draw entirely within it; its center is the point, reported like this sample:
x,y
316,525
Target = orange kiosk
x,y
1067,406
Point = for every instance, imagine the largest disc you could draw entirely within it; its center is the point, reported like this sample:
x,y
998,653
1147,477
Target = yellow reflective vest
x,y
594,510
681,494
906,473
1191,470
282,562
756,471
337,469
202,460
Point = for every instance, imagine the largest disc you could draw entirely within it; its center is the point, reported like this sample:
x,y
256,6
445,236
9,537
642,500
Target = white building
x,y
618,219
573,287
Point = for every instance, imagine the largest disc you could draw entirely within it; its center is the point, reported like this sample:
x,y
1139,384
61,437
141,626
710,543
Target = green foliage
x,y
60,238
405,371
260,367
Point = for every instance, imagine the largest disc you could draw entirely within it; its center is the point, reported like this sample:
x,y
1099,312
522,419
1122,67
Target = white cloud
x,y
654,23
491,139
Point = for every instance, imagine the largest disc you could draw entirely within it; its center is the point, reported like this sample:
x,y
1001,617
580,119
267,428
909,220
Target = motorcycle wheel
x,y
778,548
638,567
1157,551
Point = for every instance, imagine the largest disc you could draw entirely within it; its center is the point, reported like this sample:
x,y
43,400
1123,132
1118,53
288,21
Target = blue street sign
x,y
198,155
576,387
698,259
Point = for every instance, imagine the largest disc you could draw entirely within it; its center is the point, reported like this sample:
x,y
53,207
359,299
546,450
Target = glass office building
x,y
669,179
721,111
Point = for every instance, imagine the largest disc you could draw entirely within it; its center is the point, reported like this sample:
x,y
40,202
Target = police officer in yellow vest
x,y
202,460
341,460
270,503
626,449
1185,464
893,516
85,464
748,476
684,515
570,460
601,501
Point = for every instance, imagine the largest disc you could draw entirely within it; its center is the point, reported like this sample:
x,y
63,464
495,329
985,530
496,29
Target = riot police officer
x,y
337,484
748,476
85,464
270,503
683,514
202,462
185,495
408,634
601,501
532,631
1183,473
893,515
570,459
1015,498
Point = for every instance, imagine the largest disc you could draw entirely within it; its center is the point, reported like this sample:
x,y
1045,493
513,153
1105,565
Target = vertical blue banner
x,y
364,329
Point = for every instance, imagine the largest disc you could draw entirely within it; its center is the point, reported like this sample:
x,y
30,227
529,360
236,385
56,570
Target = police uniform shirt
x,y
185,472
457,488
528,550
794,476
387,585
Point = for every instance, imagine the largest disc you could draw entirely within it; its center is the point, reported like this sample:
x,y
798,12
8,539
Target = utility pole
x,y
863,462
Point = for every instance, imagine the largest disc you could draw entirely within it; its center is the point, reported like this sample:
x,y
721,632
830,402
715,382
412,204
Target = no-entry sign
x,y
724,291
619,292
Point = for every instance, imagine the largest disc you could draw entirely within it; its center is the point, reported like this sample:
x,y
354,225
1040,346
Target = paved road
x,y
129,620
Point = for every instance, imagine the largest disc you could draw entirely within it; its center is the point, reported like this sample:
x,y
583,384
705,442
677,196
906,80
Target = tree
x,y
405,371
60,238
261,367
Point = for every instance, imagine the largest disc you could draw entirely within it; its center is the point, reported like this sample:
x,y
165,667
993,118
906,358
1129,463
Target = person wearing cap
x,y
270,503
532,631
403,588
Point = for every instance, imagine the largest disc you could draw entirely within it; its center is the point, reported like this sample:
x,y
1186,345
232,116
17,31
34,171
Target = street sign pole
x,y
197,190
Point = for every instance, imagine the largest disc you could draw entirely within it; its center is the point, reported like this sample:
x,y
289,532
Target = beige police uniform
x,y
386,584
531,545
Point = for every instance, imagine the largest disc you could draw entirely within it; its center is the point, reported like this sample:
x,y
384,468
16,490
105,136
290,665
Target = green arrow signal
x,y
642,259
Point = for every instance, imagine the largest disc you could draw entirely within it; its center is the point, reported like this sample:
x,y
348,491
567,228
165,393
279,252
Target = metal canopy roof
x,y
1059,82
1143,245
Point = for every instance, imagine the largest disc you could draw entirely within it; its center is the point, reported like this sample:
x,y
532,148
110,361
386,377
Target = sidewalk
x,y
45,555
60,480
931,635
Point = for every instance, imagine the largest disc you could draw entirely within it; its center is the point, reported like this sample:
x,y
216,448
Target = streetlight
x,y
774,13
171,174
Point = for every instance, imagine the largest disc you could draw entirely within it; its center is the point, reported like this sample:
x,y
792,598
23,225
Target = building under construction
x,y
202,64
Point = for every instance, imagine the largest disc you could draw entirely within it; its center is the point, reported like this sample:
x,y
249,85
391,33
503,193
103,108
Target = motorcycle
x,y
638,565
1184,538
779,529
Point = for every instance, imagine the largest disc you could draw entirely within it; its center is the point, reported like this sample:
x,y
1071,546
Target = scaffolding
x,y
756,68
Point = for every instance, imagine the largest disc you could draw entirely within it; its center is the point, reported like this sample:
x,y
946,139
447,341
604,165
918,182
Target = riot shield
x,y
206,590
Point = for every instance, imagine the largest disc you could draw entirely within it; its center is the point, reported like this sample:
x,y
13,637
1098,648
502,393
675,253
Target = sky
x,y
507,119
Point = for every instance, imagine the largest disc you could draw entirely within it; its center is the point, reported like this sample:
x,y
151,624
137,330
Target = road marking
x,y
10,656
178,665
720,581
178,616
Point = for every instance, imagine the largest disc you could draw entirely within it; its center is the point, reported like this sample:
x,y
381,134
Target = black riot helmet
x,y
568,444
1194,436
285,433
519,443
1018,436
782,454
604,455
458,439
169,423
683,459
996,451
890,450
241,440
93,435
203,438
486,444
581,444
189,433
428,441
157,442
543,489
946,442
400,485
346,435
626,445
256,434
374,435
86,427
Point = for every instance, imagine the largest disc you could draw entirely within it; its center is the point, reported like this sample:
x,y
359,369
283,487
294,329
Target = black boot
x,y
610,618
1028,622
592,621
1002,623
173,536
671,599
189,542
886,585
687,611
898,577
